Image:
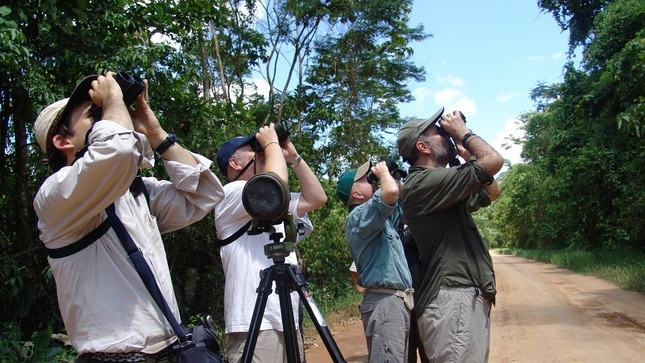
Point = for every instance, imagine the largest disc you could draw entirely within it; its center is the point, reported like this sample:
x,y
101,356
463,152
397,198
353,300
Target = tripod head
x,y
280,248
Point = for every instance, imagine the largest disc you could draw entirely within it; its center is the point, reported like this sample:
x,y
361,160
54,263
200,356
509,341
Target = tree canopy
x,y
334,72
582,185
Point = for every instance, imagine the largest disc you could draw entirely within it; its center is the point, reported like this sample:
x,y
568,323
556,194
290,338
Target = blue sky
x,y
484,58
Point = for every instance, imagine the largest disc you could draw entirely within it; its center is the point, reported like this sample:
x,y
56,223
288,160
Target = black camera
x,y
282,131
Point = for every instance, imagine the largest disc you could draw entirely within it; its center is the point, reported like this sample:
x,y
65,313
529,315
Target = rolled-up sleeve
x,y
189,196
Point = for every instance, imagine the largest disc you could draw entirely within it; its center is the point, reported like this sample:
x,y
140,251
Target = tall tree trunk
x,y
21,114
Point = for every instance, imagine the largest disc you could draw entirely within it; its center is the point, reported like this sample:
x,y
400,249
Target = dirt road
x,y
543,314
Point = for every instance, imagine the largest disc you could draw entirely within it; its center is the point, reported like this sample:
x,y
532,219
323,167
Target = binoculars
x,y
131,86
282,132
396,172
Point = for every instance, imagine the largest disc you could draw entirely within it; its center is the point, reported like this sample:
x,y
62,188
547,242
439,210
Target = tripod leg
x,y
264,289
286,310
316,316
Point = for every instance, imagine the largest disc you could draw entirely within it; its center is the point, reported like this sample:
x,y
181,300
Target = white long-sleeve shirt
x,y
104,304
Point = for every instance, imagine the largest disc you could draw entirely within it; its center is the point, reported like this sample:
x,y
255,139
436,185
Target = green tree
x,y
577,16
583,185
200,57
358,76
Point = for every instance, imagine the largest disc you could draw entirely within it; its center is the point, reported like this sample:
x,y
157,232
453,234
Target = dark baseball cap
x,y
410,131
227,150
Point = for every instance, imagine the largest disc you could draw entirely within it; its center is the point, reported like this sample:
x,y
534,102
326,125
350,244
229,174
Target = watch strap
x,y
170,139
296,162
465,137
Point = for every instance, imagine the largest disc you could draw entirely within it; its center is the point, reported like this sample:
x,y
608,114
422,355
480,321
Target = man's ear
x,y
62,144
235,164
422,147
356,194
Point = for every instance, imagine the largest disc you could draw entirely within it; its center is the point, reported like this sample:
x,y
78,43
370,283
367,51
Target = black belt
x,y
163,356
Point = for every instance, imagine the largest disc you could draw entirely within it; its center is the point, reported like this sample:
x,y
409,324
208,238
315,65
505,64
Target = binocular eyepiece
x,y
131,86
280,129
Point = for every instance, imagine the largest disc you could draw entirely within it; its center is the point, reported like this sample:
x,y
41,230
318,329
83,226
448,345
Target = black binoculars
x,y
282,131
396,172
131,86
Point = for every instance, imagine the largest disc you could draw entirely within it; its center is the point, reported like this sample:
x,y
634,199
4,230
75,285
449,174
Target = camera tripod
x,y
287,278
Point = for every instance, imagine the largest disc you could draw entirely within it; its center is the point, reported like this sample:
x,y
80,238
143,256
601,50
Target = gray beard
x,y
443,154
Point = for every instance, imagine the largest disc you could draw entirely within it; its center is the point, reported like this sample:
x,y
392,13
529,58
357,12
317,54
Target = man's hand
x,y
289,151
145,121
380,170
389,186
454,125
105,91
266,135
106,94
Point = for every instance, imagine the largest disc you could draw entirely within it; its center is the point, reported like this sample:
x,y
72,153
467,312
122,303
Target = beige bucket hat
x,y
49,118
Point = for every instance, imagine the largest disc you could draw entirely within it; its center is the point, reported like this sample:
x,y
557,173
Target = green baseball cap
x,y
348,178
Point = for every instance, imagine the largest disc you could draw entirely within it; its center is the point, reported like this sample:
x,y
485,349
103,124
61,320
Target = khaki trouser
x,y
455,327
269,347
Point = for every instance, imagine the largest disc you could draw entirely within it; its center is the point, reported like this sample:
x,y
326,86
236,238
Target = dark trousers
x,y
415,342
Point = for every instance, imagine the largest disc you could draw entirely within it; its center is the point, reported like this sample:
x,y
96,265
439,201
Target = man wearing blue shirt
x,y
381,265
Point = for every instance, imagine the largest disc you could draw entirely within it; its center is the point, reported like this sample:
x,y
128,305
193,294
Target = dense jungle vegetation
x,y
336,69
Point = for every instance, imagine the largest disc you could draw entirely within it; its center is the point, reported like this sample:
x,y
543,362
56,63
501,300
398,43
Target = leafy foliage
x,y
200,58
325,251
582,187
577,16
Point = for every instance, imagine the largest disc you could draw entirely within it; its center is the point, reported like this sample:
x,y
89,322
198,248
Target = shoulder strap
x,y
137,187
143,269
81,243
234,236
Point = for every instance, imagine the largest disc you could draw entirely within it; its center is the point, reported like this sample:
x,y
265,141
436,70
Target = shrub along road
x,y
543,314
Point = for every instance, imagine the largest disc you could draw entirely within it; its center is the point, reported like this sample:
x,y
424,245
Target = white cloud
x,y
453,99
262,86
506,97
501,143
421,94
447,95
159,38
557,56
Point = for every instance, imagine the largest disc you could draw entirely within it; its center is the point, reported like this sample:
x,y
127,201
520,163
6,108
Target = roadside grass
x,y
626,269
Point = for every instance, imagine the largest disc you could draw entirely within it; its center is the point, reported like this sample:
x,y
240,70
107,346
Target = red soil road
x,y
543,314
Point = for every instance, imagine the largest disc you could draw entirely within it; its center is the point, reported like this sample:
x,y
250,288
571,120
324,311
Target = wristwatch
x,y
170,139
465,137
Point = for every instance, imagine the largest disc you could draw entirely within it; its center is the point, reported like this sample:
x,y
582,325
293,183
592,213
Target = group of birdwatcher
x,y
424,270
